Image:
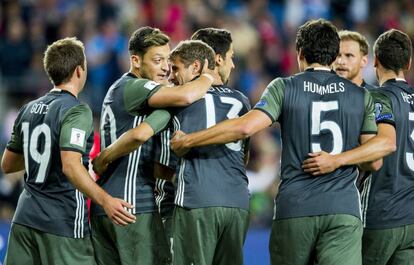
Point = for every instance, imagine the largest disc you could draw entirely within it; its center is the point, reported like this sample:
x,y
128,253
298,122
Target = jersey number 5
x,y
317,126
30,149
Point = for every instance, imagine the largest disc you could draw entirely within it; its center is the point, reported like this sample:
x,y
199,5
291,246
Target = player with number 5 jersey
x,y
317,219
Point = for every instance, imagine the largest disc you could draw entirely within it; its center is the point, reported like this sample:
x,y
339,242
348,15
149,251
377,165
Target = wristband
x,y
209,76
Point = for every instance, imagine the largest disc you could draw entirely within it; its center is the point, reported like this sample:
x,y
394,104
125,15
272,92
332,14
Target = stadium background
x,y
263,32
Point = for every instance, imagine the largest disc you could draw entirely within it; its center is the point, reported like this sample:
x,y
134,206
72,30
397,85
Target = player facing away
x,y
317,219
389,194
128,103
212,200
352,57
50,141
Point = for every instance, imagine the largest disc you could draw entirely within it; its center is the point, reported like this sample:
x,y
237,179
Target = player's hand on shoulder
x,y
116,210
177,143
319,163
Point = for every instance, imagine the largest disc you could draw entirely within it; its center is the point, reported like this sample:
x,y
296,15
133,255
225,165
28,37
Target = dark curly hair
x,y
393,50
318,40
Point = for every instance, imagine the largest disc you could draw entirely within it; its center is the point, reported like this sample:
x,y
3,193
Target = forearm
x,y
183,95
195,90
80,179
372,150
127,143
222,133
12,162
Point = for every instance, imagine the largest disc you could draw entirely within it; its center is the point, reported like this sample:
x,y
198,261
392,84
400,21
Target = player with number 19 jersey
x,y
317,110
55,122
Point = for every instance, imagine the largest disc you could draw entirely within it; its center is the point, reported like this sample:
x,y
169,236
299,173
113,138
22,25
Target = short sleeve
x,y
76,127
137,92
158,120
272,99
383,108
369,125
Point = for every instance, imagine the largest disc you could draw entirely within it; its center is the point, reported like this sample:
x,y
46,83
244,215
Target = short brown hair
x,y
144,38
393,50
191,50
61,58
357,37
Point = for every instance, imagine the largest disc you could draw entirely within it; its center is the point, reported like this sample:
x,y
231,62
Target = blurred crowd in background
x,y
263,33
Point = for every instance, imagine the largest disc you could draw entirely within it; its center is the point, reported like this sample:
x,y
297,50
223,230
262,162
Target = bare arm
x,y
373,149
12,162
125,144
185,94
80,178
224,132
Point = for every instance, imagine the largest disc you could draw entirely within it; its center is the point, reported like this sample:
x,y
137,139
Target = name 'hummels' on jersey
x,y
330,88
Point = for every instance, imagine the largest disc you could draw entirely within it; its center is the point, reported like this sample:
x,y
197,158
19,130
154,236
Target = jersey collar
x,y
319,69
56,90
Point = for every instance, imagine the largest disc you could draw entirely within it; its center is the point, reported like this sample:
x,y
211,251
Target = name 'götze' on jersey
x,y
39,108
322,90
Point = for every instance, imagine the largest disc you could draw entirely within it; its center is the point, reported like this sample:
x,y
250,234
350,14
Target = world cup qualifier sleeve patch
x,y
77,137
151,85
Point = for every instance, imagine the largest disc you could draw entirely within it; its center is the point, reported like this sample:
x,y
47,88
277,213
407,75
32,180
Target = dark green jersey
x,y
388,196
317,110
55,122
130,177
212,176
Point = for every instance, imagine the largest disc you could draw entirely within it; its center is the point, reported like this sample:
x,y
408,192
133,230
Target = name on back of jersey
x,y
322,90
408,98
221,90
39,108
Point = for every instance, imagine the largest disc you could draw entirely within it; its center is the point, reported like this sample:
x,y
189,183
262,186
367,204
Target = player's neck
x,y
70,87
387,75
316,66
358,80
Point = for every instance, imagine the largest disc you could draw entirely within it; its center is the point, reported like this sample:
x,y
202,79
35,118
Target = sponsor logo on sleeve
x,y
151,85
77,137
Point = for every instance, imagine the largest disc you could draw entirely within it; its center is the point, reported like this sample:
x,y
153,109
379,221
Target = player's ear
x,y
219,59
375,61
409,65
197,67
78,71
364,61
136,61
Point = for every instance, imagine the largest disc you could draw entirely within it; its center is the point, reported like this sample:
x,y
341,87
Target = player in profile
x,y
50,141
316,219
130,102
352,57
389,194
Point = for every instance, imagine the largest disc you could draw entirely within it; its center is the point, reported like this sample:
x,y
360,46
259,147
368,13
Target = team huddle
x,y
172,186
